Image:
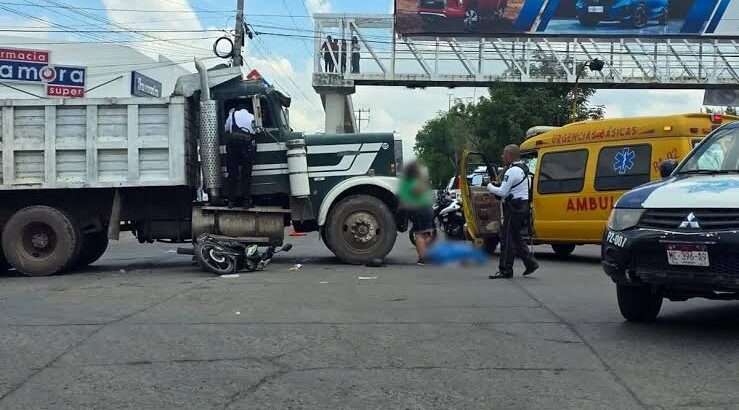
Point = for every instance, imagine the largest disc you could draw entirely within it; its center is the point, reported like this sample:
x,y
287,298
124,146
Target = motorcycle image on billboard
x,y
642,18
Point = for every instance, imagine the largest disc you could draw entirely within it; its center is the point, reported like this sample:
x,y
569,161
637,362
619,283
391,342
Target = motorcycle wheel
x,y
211,259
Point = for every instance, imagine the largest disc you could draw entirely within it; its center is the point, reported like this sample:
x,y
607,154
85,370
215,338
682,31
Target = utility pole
x,y
238,59
359,113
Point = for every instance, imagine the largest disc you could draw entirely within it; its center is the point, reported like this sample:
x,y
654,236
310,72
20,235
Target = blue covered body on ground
x,y
444,253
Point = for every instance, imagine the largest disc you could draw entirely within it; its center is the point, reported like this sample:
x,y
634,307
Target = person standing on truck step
x,y
514,190
414,196
328,61
241,148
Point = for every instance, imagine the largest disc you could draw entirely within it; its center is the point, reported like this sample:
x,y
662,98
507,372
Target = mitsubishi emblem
x,y
690,222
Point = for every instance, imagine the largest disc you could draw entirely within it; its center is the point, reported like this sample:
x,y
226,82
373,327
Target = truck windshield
x,y
720,154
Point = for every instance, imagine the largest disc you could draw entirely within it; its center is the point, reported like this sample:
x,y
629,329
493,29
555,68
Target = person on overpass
x,y
326,49
514,191
356,48
241,148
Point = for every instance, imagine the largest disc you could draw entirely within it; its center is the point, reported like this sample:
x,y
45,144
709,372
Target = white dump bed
x,y
96,143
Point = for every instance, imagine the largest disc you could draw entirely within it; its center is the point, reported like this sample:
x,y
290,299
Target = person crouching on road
x,y
514,190
415,197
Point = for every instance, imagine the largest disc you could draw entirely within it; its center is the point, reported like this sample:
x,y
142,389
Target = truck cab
x,y
352,177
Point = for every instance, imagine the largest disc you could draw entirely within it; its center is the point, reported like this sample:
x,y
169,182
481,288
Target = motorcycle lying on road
x,y
226,256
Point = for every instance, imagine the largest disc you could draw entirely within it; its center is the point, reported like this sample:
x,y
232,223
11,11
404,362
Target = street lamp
x,y
593,65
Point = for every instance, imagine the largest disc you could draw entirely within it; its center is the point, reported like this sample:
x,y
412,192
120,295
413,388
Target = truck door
x,y
481,208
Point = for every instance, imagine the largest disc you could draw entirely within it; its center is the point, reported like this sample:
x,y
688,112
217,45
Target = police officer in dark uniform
x,y
241,148
514,190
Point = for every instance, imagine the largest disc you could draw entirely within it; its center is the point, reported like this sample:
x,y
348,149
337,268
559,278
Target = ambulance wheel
x,y
638,303
360,228
41,241
93,248
563,249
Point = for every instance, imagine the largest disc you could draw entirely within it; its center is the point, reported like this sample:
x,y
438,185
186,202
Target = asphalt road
x,y
144,329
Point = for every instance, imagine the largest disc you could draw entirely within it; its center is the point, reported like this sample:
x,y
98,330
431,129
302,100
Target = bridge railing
x,y
386,58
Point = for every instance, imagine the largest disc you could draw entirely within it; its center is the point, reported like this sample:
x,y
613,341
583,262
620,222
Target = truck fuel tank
x,y
259,225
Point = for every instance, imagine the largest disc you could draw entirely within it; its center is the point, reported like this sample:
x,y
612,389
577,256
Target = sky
x,y
287,62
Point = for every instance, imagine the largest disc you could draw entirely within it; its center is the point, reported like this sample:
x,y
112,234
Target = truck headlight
x,y
622,219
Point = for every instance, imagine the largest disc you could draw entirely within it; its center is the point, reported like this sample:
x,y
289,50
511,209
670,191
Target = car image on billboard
x,y
642,18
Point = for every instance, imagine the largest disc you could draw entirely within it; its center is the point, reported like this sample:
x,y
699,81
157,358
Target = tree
x,y
499,119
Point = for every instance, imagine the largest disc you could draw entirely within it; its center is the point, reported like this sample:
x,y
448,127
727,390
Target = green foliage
x,y
499,119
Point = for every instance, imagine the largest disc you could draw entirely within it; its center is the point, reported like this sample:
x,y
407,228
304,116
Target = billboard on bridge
x,y
638,18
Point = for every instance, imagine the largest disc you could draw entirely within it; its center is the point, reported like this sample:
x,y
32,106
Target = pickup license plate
x,y
595,9
687,255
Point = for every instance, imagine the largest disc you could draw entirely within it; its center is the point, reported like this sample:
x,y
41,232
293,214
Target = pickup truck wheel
x,y
361,228
638,303
640,18
93,247
563,249
472,18
41,241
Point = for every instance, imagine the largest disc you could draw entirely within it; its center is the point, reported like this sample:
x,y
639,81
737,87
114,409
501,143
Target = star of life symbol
x,y
624,161
690,222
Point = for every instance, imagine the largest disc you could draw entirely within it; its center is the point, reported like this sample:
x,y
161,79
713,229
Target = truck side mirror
x,y
666,167
287,117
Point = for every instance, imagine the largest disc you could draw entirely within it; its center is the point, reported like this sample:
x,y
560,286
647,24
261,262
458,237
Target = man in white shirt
x,y
241,149
514,191
244,121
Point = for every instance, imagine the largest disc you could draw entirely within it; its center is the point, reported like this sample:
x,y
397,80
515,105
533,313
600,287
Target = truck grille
x,y
433,4
707,219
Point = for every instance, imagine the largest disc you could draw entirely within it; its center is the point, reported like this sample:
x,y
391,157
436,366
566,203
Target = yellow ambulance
x,y
582,169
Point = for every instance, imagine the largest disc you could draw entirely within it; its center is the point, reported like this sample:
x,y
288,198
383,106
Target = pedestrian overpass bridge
x,y
388,59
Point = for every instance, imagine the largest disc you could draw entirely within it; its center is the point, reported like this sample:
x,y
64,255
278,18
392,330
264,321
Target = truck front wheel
x,y
41,241
93,247
360,228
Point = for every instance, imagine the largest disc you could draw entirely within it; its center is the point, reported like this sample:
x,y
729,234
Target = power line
x,y
307,48
127,10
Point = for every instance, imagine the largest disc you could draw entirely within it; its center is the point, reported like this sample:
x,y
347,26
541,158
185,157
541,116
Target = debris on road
x,y
367,277
238,313
296,268
234,276
323,283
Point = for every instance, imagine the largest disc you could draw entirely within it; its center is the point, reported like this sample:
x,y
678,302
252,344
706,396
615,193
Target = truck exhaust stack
x,y
208,139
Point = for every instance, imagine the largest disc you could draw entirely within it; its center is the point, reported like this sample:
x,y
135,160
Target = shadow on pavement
x,y
569,258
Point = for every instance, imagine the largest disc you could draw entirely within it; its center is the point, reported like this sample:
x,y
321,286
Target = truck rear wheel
x,y
93,247
41,241
359,229
638,303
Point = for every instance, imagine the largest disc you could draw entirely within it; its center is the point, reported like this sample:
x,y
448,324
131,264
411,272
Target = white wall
x,y
104,62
